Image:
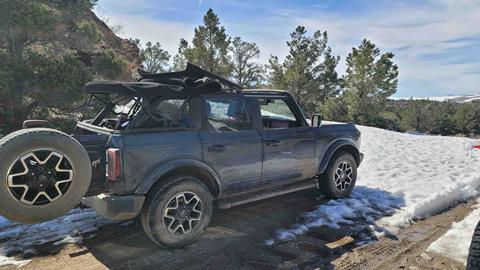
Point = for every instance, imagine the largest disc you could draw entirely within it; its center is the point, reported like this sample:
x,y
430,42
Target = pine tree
x,y
308,71
179,60
467,118
246,73
209,48
371,78
328,79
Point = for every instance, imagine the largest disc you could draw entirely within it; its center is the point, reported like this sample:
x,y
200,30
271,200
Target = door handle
x,y
216,148
273,142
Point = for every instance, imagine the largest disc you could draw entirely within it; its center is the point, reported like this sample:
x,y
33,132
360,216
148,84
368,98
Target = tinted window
x,y
227,114
277,114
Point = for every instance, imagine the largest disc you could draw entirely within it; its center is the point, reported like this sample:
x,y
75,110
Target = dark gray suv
x,y
169,148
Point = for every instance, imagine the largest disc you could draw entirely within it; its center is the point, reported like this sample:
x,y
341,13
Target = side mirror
x,y
316,120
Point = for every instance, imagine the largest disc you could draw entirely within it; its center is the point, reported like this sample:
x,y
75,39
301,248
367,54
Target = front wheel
x,y
177,211
339,179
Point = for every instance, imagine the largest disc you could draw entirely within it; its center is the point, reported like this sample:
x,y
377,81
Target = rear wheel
x,y
43,174
176,213
339,179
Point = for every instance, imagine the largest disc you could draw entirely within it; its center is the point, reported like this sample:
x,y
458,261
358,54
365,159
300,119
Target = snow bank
x,y
428,173
431,173
19,239
455,242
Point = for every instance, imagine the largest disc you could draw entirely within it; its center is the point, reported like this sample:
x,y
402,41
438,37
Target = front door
x,y
230,144
288,142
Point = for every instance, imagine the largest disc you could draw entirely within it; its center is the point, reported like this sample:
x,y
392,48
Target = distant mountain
x,y
452,98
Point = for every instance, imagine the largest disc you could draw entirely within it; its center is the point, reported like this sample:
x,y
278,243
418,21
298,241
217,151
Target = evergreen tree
x,y
209,48
180,61
308,71
154,58
371,78
329,81
335,109
416,115
245,72
467,118
441,118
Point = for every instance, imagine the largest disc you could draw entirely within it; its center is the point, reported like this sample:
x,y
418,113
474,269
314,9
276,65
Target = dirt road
x,y
235,240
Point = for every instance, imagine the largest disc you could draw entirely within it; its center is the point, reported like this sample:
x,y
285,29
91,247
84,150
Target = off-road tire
x,y
473,262
19,143
153,220
326,180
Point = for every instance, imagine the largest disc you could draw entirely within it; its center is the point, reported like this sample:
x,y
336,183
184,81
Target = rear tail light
x,y
476,146
114,164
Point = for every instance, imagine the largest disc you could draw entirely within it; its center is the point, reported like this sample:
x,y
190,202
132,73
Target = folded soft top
x,y
192,81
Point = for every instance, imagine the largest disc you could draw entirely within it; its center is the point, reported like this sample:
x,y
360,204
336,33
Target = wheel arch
x,y
190,167
337,147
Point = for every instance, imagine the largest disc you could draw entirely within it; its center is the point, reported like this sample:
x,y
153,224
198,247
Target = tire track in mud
x,y
409,249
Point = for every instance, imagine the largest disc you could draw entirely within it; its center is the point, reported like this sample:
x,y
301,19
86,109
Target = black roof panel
x,y
192,81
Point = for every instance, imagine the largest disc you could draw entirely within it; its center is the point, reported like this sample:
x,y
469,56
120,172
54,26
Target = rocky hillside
x,y
49,49
57,27
123,47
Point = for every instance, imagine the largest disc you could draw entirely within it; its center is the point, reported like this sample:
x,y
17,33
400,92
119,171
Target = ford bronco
x,y
170,148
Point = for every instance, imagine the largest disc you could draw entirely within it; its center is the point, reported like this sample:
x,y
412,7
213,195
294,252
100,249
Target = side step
x,y
263,194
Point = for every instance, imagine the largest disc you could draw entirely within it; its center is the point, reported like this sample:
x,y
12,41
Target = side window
x,y
227,114
277,114
169,113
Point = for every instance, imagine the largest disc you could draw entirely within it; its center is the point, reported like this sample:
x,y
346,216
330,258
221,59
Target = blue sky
x,y
436,42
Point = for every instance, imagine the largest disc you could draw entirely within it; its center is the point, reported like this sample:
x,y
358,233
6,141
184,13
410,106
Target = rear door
x,y
288,142
230,144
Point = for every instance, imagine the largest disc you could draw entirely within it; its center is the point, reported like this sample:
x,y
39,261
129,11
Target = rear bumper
x,y
116,207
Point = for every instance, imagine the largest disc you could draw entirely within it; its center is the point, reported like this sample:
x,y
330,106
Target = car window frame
x,y
292,105
250,115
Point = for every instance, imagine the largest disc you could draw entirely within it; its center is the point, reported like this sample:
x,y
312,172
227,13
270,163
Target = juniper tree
x,y
154,58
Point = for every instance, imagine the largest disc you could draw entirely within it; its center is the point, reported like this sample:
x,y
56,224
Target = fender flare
x,y
156,174
333,148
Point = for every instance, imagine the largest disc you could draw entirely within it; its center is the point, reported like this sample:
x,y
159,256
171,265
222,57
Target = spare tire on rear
x,y
43,174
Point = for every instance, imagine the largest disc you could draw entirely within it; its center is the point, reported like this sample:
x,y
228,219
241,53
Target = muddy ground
x,y
235,240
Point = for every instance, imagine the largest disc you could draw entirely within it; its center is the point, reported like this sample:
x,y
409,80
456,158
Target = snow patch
x,y
455,242
18,239
363,207
10,261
